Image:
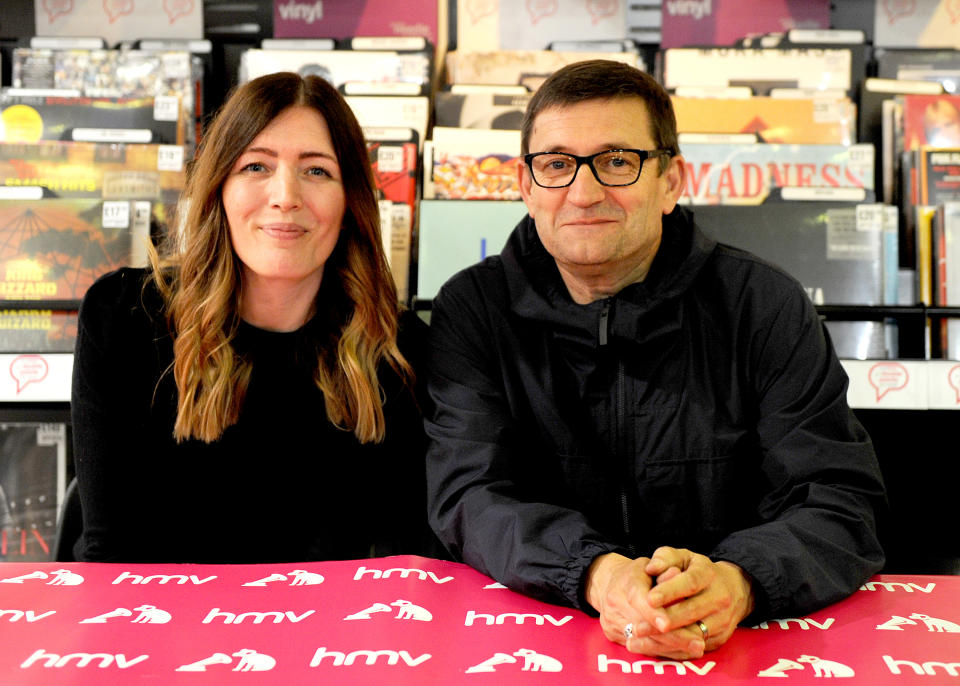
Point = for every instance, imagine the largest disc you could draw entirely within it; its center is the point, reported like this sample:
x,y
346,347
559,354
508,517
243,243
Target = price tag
x,y
390,158
166,108
116,214
170,158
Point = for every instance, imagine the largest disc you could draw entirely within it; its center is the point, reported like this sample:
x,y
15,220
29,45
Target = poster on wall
x,y
347,18
120,20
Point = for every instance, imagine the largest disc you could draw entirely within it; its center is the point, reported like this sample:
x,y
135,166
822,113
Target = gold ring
x,y
703,629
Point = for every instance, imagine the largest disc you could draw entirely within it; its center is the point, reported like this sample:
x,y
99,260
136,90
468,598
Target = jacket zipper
x,y
620,434
622,441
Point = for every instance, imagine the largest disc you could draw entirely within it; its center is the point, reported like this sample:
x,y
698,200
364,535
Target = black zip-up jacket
x,y
703,408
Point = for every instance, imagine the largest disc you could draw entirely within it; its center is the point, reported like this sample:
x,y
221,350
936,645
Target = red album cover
x,y
932,120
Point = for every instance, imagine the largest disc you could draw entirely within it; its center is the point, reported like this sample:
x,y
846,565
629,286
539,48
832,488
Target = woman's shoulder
x,y
125,292
119,284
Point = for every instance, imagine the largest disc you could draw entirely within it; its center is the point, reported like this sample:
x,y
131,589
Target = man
x,y
630,418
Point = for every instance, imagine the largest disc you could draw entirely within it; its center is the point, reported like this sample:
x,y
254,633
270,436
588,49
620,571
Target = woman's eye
x,y
318,171
254,167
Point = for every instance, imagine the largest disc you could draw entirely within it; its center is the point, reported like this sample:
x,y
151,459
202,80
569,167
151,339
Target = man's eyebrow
x,y
565,148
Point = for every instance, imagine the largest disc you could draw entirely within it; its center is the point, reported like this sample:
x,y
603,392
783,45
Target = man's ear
x,y
524,181
673,181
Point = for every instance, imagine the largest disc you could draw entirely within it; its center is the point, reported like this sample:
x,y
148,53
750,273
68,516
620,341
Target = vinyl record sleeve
x,y
340,66
818,243
821,245
773,120
29,119
54,249
171,76
37,330
33,458
760,68
524,67
753,174
480,110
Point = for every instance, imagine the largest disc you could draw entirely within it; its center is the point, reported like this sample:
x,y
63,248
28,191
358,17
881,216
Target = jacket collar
x,y
638,312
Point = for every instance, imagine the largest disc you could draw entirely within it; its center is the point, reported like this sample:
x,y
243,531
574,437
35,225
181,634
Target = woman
x,y
250,397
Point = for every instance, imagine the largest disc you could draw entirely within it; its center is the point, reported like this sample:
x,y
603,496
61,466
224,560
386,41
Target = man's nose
x,y
585,189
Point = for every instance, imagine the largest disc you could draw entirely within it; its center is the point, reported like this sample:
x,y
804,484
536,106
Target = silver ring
x,y
628,631
703,629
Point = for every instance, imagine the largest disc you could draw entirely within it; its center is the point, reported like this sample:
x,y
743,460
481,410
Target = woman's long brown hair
x,y
199,274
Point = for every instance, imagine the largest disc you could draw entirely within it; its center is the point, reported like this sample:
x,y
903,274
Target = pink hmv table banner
x,y
412,620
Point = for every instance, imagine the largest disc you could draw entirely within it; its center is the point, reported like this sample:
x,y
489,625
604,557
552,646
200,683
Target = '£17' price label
x,y
116,214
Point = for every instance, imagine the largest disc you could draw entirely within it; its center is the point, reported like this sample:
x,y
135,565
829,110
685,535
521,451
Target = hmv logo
x,y
369,657
101,660
472,617
607,664
897,586
401,572
161,579
29,615
277,617
802,624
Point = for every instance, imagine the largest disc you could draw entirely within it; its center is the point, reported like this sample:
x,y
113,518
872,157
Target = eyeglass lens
x,y
613,167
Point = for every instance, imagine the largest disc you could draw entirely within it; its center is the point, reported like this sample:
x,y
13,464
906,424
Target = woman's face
x,y
284,201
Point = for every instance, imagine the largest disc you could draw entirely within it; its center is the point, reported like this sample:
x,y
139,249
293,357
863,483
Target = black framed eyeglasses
x,y
620,167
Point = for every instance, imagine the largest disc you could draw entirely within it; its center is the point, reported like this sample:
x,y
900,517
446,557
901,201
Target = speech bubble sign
x,y
953,378
27,369
539,9
896,9
478,9
953,9
888,376
600,9
117,8
177,8
57,8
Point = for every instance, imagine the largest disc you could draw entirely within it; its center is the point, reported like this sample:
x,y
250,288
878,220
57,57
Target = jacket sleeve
x,y
482,502
818,542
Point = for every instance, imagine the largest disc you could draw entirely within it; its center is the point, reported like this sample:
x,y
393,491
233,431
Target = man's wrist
x,y
744,587
598,578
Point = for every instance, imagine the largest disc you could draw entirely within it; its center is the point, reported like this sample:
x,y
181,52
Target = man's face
x,y
589,228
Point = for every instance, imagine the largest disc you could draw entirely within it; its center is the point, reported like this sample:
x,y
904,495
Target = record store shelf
x,y
874,384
